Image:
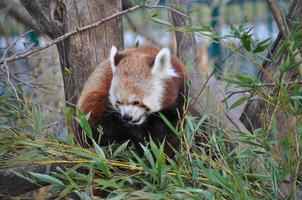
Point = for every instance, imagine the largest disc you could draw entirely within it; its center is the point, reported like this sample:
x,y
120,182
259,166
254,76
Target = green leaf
x,y
193,29
24,177
239,102
103,167
148,155
298,98
297,39
208,194
261,46
274,175
160,21
83,195
161,177
107,183
139,160
33,145
246,40
121,148
47,179
274,131
38,119
66,191
83,121
154,147
169,124
98,149
2,126
258,177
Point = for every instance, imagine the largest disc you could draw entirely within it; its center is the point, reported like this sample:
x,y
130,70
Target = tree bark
x,y
186,48
206,95
257,113
17,11
79,54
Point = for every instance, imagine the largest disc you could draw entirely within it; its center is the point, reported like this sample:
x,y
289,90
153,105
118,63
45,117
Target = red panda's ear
x,y
162,66
115,57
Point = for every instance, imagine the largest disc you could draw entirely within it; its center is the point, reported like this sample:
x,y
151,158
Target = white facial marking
x,y
113,52
112,95
162,65
154,99
137,113
153,87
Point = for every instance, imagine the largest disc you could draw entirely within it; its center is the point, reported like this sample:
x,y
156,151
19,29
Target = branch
x,y
186,44
251,116
278,17
136,29
6,66
17,11
47,14
67,35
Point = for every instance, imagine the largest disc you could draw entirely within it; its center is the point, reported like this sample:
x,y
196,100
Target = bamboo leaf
x,y
98,149
239,102
121,148
47,179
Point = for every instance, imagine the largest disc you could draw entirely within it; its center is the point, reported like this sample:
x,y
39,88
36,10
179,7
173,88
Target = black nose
x,y
127,118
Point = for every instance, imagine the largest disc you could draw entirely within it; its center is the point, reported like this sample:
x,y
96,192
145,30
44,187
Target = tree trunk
x,y
254,109
257,113
206,95
186,48
79,54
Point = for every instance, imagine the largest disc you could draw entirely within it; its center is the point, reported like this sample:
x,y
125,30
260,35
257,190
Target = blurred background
x,y
40,75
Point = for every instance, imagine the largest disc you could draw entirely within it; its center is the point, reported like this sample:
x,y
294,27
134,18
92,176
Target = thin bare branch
x,y
5,66
139,30
67,35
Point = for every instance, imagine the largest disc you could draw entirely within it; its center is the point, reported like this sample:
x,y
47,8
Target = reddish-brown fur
x,y
94,96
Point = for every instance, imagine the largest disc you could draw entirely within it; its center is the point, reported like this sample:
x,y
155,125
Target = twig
x,y
14,43
208,79
232,121
201,90
38,88
278,17
138,30
236,92
6,66
67,35
174,10
264,85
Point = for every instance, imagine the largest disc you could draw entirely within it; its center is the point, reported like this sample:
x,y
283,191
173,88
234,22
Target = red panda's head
x,y
138,83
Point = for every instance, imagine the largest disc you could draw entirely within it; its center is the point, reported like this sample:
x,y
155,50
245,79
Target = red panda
x,y
126,92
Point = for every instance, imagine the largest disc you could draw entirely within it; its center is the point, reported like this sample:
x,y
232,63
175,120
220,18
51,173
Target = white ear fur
x,y
113,52
162,65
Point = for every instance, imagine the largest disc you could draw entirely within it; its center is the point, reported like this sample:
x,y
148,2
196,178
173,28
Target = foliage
x,y
209,164
206,170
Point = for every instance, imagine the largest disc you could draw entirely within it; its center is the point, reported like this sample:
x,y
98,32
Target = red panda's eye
x,y
135,103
